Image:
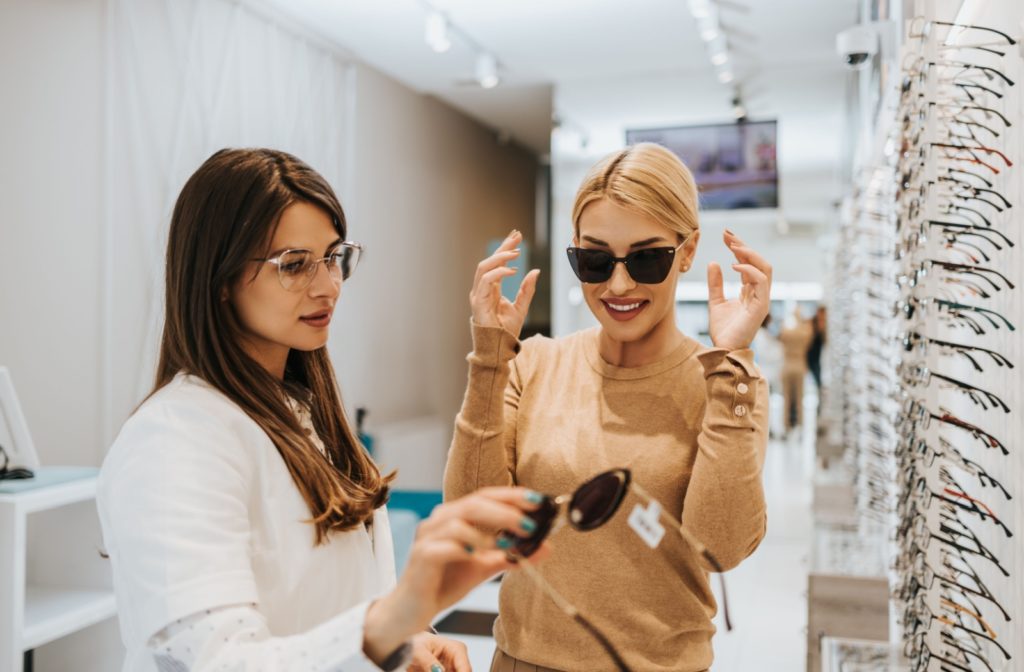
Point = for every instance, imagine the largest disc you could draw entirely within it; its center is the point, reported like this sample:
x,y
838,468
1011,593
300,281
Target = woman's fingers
x,y
498,259
490,282
751,274
716,291
482,512
526,291
502,255
746,255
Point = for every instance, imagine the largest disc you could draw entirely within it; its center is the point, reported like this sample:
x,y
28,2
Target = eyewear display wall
x,y
932,402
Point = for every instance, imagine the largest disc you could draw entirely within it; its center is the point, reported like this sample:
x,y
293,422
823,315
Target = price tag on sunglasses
x,y
645,523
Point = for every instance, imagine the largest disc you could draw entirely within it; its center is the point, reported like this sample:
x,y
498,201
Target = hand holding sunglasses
x,y
592,505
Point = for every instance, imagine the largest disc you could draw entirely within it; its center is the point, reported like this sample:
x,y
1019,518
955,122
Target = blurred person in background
x,y
796,336
818,326
768,352
245,524
690,422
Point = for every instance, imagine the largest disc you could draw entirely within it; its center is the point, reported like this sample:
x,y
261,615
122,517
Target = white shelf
x,y
51,613
52,496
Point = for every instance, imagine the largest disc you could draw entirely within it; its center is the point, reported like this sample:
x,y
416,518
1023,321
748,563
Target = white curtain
x,y
186,78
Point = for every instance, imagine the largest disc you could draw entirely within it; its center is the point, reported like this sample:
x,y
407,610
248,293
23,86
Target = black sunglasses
x,y
588,508
649,266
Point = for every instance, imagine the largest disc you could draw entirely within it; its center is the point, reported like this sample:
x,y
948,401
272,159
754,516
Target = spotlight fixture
x,y
700,8
720,58
487,70
437,32
739,111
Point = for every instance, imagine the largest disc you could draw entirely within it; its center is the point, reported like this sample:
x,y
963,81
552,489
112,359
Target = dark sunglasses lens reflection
x,y
648,267
598,499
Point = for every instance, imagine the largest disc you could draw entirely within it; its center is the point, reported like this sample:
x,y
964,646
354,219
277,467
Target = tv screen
x,y
734,164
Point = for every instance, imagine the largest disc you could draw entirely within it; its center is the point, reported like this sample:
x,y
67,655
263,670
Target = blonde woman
x,y
690,423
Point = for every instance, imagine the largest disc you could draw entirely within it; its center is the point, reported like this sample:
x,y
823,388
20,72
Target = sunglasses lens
x,y
650,266
591,265
597,500
544,516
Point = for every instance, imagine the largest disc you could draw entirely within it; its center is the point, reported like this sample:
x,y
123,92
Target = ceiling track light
x,y
487,70
436,33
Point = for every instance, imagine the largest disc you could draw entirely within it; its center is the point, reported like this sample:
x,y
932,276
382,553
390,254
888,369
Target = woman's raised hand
x,y
733,323
490,308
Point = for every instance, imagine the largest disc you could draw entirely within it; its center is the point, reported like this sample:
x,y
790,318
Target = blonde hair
x,y
646,178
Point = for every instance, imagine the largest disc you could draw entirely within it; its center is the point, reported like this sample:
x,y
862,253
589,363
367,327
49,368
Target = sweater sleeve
x,y
483,446
724,506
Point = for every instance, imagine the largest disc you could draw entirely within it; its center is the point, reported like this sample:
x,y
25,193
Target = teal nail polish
x,y
436,668
534,497
528,524
504,543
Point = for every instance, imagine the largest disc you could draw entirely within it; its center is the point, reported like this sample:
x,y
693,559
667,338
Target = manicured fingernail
x,y
533,497
514,233
730,232
469,549
503,543
528,524
436,668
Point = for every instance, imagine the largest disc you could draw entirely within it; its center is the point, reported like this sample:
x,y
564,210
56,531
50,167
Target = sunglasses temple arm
x,y
571,611
698,547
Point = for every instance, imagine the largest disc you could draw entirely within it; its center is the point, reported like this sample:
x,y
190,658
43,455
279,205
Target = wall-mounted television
x,y
734,164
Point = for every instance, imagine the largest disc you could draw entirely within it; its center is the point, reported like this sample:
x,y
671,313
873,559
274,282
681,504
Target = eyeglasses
x,y
17,473
648,266
913,340
921,28
953,533
297,268
920,617
919,374
914,448
955,310
915,413
592,505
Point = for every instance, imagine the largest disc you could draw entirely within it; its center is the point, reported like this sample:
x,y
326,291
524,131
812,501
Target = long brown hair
x,y
224,217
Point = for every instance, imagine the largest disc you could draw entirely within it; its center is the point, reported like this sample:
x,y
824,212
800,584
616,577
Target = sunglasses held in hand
x,y
588,508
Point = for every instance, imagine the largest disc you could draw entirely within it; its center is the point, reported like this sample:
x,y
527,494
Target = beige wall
x,y
51,126
428,189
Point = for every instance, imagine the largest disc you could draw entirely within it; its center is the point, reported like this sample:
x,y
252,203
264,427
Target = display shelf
x,y
55,581
52,613
82,488
840,654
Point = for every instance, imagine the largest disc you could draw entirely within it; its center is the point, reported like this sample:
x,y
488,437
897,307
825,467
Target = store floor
x,y
767,593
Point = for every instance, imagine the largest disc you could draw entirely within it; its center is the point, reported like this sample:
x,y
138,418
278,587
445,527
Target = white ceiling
x,y
610,63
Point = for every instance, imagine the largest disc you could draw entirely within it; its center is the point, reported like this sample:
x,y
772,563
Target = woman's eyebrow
x,y
641,243
645,243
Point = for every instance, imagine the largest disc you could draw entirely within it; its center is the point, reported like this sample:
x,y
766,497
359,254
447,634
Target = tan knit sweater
x,y
548,414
